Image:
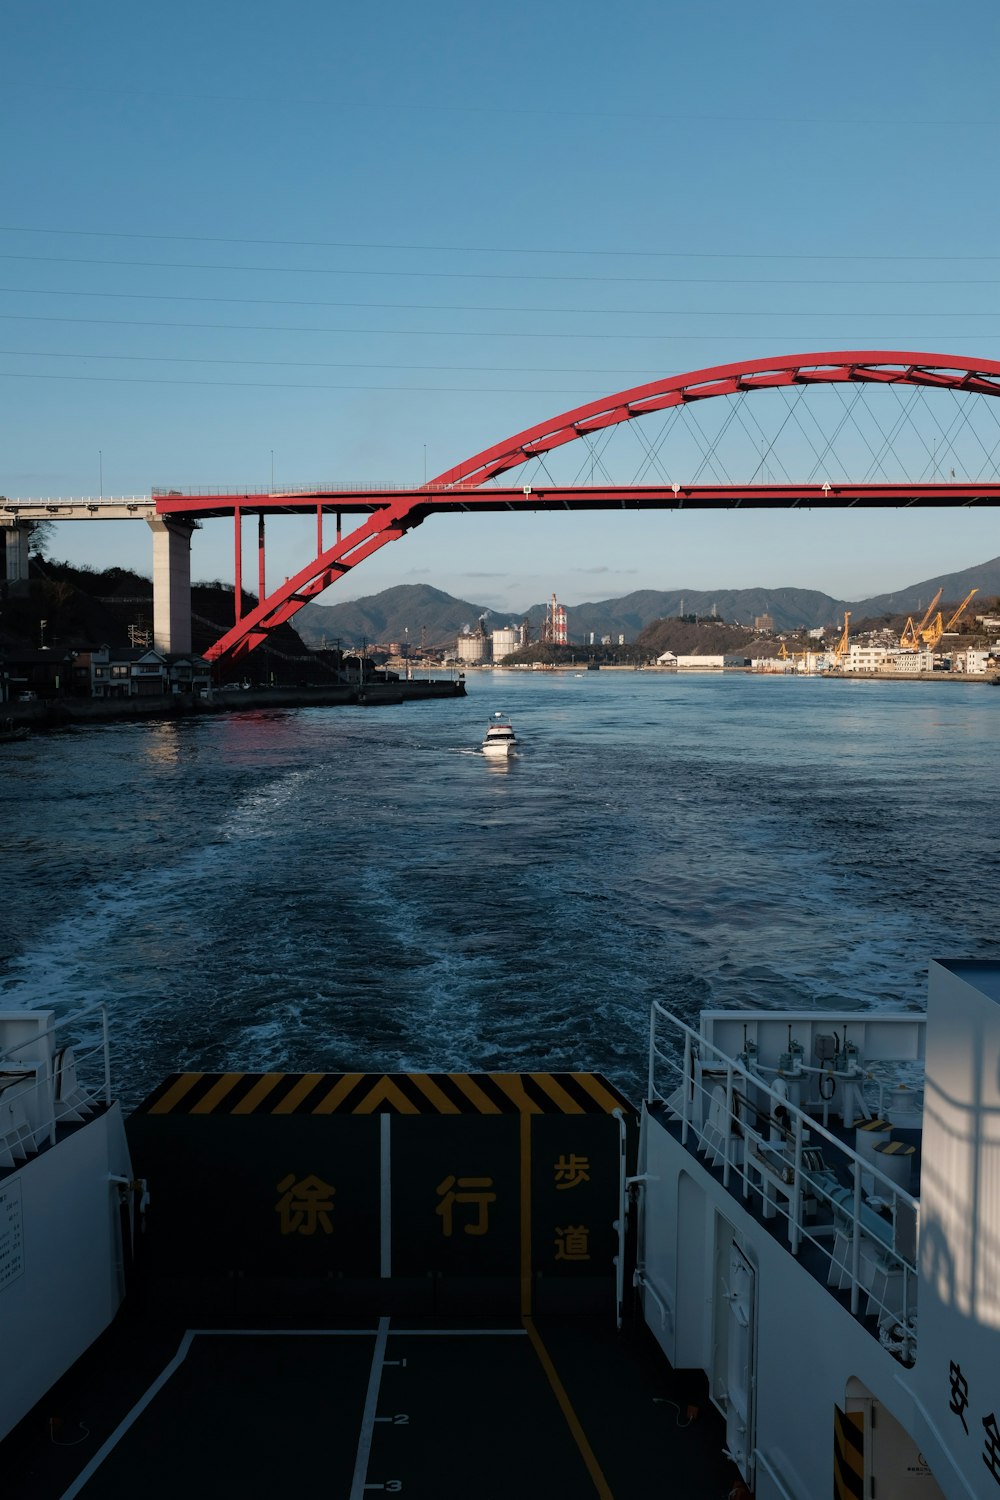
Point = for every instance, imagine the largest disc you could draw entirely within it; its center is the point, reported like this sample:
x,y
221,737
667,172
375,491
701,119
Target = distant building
x,y
124,672
974,661
474,649
507,640
44,672
554,630
886,659
700,663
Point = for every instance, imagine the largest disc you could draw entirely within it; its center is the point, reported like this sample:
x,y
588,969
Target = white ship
x,y
780,1277
500,739
827,1249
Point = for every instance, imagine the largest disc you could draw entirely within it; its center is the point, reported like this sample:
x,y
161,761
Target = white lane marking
x,y
381,1335
385,1197
123,1426
458,1333
356,1333
285,1333
368,1419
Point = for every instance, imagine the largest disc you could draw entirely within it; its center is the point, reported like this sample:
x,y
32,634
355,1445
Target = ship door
x,y
740,1293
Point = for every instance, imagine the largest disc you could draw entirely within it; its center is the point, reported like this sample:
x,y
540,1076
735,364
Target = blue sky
x,y
359,241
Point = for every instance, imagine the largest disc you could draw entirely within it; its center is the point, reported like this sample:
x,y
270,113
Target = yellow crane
x,y
933,634
914,634
960,611
841,645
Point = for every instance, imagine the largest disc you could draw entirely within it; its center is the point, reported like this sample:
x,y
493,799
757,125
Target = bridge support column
x,y
16,539
171,583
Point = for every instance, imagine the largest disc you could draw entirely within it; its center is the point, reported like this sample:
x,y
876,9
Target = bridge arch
x,y
473,484
941,371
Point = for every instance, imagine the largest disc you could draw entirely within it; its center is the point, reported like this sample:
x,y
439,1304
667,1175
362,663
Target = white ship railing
x,y
621,1222
52,1072
793,1166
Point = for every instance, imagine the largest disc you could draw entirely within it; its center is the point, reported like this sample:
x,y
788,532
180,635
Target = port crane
x,y
913,634
841,646
934,632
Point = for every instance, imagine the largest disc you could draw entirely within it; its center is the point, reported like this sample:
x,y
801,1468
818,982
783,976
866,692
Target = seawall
x,y
57,713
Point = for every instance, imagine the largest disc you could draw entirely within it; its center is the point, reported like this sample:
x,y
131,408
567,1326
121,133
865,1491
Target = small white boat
x,y
500,738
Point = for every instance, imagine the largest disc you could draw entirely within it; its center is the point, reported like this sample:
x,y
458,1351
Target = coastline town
x,y
945,642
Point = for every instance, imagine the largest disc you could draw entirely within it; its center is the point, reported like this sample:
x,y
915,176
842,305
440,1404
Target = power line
x,y
185,265
448,333
323,364
520,390
218,239
462,390
601,312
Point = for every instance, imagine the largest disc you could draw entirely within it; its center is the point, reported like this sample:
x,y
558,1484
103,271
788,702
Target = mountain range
x,y
426,616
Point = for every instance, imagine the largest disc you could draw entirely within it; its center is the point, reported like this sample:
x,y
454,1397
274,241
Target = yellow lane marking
x,y
295,1096
512,1086
549,1085
597,1092
257,1094
565,1405
331,1101
175,1093
218,1091
387,1090
434,1094
472,1091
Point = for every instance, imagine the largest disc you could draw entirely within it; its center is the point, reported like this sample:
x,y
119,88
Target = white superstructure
x,y
65,1180
826,1251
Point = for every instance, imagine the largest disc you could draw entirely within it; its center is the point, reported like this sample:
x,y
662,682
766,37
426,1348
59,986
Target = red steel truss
x,y
389,513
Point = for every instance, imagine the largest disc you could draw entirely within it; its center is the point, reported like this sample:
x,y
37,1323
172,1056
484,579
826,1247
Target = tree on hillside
x,y
40,534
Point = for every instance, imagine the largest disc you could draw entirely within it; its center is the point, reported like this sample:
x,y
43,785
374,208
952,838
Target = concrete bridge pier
x,y
171,582
16,539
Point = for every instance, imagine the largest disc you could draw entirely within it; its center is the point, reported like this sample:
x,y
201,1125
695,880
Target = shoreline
x,y
989,678
60,713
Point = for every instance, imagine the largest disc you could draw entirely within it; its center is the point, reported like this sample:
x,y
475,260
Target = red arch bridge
x,y
841,429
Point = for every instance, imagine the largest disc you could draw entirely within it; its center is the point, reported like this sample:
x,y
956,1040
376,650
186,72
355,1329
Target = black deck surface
x,y
568,1408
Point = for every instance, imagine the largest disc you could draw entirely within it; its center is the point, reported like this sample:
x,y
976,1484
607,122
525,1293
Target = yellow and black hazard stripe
x,y
385,1093
848,1454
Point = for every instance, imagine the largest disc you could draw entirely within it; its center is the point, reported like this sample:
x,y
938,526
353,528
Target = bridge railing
x,y
336,487
53,502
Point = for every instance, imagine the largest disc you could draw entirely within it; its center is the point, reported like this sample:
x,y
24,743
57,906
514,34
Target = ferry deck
x,y
355,1284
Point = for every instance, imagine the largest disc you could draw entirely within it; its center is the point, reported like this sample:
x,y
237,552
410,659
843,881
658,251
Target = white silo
x,y
505,641
473,648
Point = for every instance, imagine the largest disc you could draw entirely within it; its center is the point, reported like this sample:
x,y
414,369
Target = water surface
x,y
350,888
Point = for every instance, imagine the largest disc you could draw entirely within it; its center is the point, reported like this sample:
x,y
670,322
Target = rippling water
x,y
349,888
